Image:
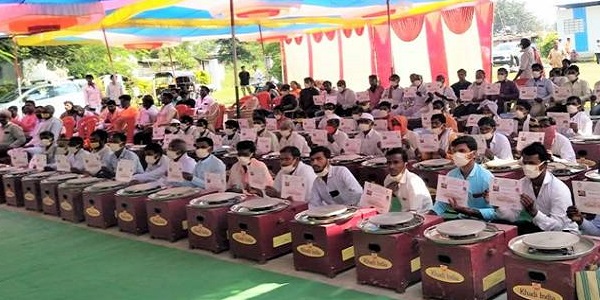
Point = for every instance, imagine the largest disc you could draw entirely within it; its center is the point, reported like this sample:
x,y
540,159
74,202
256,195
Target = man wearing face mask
x,y
290,138
370,139
187,128
98,141
439,107
279,116
545,91
167,111
288,102
498,145
48,148
76,154
177,152
239,174
580,123
328,89
557,144
545,198
116,143
145,120
260,126
375,90
334,184
232,136
526,61
413,106
207,163
12,135
329,112
346,99
336,139
47,123
205,100
306,102
291,164
203,131
464,151
508,90
157,164
394,93
445,92
578,87
522,115
478,87
109,116
174,128
445,137
410,190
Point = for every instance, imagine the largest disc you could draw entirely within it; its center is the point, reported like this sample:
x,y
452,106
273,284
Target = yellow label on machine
x,y
92,212
444,274
493,279
125,216
200,231
375,261
415,265
310,250
48,201
158,220
281,240
66,206
243,238
29,196
348,253
535,291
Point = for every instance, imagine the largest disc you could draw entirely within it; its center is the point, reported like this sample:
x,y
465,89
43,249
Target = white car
x,y
54,94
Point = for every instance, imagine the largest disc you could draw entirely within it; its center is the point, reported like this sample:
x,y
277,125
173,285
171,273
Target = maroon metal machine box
x,y
131,207
49,192
548,273
322,238
259,228
70,195
166,213
3,171
99,203
387,251
13,189
464,259
207,221
31,189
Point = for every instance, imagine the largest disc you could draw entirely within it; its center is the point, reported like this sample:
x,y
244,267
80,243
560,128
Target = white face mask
x,y
572,109
277,117
46,142
324,172
328,112
355,117
173,129
384,114
364,127
488,136
461,159
114,147
258,127
285,133
501,77
519,114
436,111
572,77
150,159
288,169
202,152
532,171
398,177
437,131
172,154
417,83
244,160
537,74
228,131
440,84
479,80
72,150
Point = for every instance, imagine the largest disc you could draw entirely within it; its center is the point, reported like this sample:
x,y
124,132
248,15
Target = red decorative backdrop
x,y
459,19
408,29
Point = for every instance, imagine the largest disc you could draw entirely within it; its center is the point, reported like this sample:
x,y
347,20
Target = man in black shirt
x,y
462,83
245,81
306,103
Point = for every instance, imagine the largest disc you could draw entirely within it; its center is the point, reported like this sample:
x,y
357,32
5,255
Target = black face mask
x,y
39,116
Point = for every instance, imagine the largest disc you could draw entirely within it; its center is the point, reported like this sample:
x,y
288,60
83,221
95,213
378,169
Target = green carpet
x,y
45,260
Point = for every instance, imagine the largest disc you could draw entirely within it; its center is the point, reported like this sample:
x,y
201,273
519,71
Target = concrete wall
x,y
585,40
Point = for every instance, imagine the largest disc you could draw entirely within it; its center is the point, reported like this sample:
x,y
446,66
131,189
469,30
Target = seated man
x,y
498,145
232,133
445,137
177,153
409,188
587,226
464,151
545,90
291,138
580,124
291,164
545,198
522,115
334,184
157,164
336,138
12,135
48,148
203,131
370,139
187,126
116,143
239,174
76,154
329,112
557,144
98,145
260,125
439,107
207,162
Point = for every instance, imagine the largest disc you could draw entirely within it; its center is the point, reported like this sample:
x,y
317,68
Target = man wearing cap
x,y
369,138
526,61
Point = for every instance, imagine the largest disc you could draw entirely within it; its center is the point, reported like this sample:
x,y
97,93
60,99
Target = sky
x,y
543,9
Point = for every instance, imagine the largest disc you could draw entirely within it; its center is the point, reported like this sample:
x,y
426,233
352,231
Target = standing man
x,y
114,89
597,51
245,81
555,56
92,94
526,61
205,100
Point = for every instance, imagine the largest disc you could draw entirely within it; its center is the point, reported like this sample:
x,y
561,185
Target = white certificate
x,y
432,87
319,99
473,119
466,95
428,142
263,145
244,123
125,169
62,163
507,126
39,161
562,120
528,92
586,195
381,125
256,178
215,181
293,186
481,143
158,132
271,124
492,89
18,158
410,92
506,193
452,188
426,120
352,146
527,138
318,137
391,139
309,124
347,125
174,172
362,96
376,196
92,163
331,99
562,93
247,134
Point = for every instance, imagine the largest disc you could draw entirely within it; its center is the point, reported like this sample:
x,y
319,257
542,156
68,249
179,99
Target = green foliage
x,y
510,16
273,50
6,50
202,77
547,42
225,51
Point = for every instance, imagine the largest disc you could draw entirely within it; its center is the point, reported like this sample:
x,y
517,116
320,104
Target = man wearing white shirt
x,y
370,139
346,98
394,93
526,61
205,100
91,94
203,131
177,152
445,92
522,115
76,154
240,172
558,144
498,145
545,198
157,164
167,112
329,112
148,113
98,141
260,126
334,184
114,89
577,87
291,164
409,188
116,143
290,138
336,139
580,123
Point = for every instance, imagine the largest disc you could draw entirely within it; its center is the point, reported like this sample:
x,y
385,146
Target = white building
x,y
580,22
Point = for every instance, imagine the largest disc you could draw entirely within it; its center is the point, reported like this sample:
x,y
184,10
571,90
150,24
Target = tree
x,y
6,50
225,51
511,17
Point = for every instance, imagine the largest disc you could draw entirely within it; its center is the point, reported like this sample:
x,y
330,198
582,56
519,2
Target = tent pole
x,y
171,61
16,65
262,45
234,51
389,24
110,60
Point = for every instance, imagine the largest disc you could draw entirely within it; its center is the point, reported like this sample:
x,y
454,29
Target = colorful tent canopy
x,y
156,21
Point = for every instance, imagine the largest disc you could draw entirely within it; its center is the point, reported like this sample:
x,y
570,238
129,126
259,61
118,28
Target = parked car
x,y
54,94
506,54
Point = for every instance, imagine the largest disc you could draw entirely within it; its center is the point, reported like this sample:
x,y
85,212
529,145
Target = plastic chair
x,y
184,110
86,126
69,124
264,98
